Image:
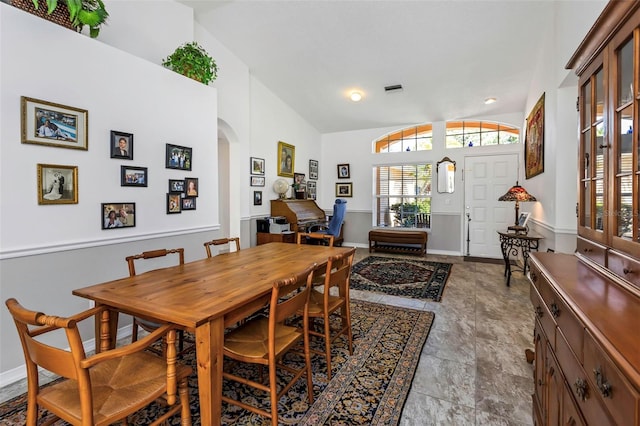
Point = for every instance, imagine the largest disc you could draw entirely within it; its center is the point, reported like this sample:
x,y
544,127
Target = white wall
x,y
47,251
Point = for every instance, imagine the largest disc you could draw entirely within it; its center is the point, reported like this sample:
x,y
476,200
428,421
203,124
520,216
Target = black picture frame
x,y
257,180
178,157
176,186
311,190
134,176
174,203
257,198
116,138
313,169
256,166
124,215
189,203
344,189
191,187
344,171
298,178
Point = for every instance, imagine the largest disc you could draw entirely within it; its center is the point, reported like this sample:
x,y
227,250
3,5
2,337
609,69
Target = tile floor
x,y
472,370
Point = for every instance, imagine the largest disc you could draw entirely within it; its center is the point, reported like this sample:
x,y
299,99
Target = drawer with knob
x,y
625,267
543,315
620,398
593,251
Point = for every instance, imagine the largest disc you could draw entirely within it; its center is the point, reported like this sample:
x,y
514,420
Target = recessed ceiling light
x,y
355,96
489,101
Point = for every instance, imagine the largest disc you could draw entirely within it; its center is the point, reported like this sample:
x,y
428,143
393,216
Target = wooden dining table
x,y
204,296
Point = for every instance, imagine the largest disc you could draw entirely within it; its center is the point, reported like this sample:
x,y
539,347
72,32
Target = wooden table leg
x,y
209,356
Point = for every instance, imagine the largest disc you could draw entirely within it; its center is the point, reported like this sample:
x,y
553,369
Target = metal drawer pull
x,y
601,382
555,311
587,250
627,271
582,390
539,311
534,277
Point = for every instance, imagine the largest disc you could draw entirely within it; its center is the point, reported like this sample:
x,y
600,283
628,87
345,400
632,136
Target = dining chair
x,y
326,239
100,389
221,241
265,340
323,304
143,323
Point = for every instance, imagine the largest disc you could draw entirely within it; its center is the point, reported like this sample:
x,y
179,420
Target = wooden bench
x,y
398,241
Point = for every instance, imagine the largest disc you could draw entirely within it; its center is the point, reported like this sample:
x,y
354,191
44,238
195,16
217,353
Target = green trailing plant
x,y
191,60
82,12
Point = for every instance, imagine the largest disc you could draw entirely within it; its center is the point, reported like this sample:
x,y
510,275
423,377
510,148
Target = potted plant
x,y
191,60
81,12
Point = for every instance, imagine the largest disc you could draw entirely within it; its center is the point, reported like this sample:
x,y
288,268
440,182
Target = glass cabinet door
x,y
593,157
625,220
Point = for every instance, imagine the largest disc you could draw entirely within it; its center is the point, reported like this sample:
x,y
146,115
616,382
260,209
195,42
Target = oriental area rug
x,y
367,388
418,279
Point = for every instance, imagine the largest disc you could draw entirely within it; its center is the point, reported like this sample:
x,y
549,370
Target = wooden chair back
x,y
288,297
221,241
326,238
152,255
80,399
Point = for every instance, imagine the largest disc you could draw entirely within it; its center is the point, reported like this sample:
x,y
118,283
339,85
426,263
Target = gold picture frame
x,y
51,124
286,159
57,184
534,141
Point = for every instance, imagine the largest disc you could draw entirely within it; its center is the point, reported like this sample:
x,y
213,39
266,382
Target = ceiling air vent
x,y
393,89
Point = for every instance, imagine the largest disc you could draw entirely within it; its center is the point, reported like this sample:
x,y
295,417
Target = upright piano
x,y
301,214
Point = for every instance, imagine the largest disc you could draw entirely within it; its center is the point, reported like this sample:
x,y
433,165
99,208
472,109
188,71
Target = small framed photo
x,y
344,189
57,184
178,157
311,190
298,178
174,203
257,198
191,187
176,186
257,180
121,145
344,171
188,203
523,218
118,215
257,166
133,176
313,169
51,124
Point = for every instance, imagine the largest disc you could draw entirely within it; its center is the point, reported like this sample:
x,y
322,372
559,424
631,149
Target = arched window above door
x,y
461,134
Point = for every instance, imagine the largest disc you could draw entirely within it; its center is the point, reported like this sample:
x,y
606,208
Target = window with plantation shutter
x,y
403,195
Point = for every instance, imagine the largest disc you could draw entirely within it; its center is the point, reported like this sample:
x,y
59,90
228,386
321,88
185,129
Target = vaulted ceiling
x,y
448,55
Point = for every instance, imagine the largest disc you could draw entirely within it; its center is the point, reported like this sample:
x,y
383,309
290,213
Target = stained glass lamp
x,y
517,193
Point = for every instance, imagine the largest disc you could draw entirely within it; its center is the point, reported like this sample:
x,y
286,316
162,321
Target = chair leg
x,y
134,331
327,345
185,413
346,310
273,384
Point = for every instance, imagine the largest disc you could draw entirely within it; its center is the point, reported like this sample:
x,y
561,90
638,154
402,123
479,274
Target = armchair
x,y
335,224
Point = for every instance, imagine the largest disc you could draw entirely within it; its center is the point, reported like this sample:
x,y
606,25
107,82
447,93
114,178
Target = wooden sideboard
x,y
587,344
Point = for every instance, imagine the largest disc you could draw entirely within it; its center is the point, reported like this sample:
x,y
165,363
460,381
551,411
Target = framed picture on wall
x,y
133,176
189,203
344,189
174,203
257,198
257,180
313,169
534,141
121,145
286,159
48,123
311,190
191,187
57,184
118,215
344,171
176,186
257,166
178,157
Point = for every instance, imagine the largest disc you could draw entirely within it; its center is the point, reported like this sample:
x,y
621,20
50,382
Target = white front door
x,y
486,178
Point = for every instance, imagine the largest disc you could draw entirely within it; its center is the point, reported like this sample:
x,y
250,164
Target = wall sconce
x,y
517,193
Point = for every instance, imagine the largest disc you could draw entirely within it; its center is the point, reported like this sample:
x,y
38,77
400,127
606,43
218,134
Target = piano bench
x,y
398,241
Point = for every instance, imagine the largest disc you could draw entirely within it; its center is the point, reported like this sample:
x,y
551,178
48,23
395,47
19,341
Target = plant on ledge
x,y
191,60
81,12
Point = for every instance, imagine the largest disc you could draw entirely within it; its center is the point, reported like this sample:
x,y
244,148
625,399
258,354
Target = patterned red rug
x,y
369,387
418,279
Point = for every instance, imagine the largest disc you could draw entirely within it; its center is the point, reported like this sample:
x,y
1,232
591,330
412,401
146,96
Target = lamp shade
x,y
517,193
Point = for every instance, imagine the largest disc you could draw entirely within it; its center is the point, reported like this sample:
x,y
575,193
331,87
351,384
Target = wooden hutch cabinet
x,y
587,305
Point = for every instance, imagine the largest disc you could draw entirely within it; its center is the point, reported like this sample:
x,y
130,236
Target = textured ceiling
x,y
448,55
